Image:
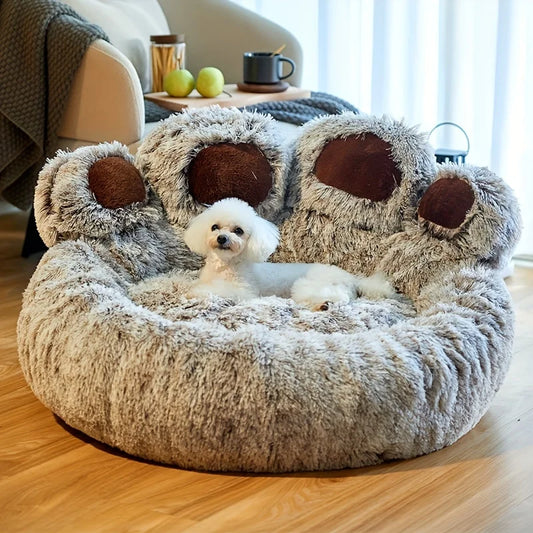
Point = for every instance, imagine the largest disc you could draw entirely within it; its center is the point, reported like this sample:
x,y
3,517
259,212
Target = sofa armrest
x,y
106,101
218,32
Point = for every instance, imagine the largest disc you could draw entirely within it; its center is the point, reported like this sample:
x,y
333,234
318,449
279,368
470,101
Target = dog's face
x,y
227,240
230,229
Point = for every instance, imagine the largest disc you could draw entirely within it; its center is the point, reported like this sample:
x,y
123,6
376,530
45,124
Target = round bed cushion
x,y
262,385
109,342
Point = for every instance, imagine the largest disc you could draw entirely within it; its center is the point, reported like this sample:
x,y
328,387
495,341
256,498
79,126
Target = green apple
x,y
210,82
179,82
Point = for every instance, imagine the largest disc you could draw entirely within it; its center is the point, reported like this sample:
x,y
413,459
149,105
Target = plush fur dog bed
x,y
109,342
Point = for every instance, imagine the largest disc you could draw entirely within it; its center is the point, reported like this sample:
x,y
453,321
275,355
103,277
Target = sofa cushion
x,y
129,24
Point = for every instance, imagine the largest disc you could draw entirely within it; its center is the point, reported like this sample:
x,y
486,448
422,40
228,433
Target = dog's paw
x,y
317,307
376,286
317,295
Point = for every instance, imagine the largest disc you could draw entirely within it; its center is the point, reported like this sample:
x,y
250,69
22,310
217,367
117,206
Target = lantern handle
x,y
457,126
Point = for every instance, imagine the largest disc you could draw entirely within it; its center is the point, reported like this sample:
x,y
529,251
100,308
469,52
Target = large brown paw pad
x,y
446,203
228,170
360,165
197,157
115,182
93,191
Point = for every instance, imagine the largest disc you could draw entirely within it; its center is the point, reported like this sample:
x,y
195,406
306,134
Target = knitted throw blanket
x,y
42,43
293,111
301,111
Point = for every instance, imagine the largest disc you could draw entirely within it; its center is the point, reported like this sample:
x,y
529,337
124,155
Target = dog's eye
x,y
214,227
238,231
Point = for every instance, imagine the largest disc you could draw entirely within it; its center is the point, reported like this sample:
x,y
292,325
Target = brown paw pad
x,y
360,165
230,171
116,183
447,202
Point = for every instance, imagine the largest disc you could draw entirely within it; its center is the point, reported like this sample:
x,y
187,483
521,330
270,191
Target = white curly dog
x,y
236,242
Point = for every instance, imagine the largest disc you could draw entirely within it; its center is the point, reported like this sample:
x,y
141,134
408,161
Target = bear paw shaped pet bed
x,y
110,343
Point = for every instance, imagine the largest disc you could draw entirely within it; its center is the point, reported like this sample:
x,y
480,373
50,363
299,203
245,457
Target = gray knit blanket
x,y
305,109
42,43
292,111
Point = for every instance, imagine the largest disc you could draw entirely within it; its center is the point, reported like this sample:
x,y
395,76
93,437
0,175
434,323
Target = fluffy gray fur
x,y
108,341
137,238
425,252
328,225
165,155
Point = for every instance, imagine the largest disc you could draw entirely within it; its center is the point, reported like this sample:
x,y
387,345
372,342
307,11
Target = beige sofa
x,y
106,101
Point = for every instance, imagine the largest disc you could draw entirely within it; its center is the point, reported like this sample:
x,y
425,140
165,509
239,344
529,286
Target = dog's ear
x,y
263,240
195,235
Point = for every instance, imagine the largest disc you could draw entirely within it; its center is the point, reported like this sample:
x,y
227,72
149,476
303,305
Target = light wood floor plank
x,y
53,479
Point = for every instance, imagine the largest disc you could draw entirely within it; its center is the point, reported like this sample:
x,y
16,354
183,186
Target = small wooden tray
x,y
237,99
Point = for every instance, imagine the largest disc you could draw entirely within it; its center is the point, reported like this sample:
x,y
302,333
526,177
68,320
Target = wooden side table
x,y
238,98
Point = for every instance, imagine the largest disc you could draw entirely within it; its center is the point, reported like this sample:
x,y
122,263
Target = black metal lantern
x,y
449,155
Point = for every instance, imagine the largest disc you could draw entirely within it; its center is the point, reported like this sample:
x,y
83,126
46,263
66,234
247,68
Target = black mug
x,y
265,67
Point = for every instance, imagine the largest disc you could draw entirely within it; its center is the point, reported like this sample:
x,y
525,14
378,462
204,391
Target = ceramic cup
x,y
265,67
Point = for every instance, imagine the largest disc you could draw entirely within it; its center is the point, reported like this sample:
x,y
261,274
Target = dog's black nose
x,y
222,239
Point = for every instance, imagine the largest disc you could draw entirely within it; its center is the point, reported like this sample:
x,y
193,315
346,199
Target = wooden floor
x,y
53,479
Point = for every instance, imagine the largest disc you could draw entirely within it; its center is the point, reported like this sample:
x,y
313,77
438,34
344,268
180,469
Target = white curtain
x,y
429,61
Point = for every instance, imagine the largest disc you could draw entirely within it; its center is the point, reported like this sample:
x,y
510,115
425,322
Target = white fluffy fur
x,y
236,243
